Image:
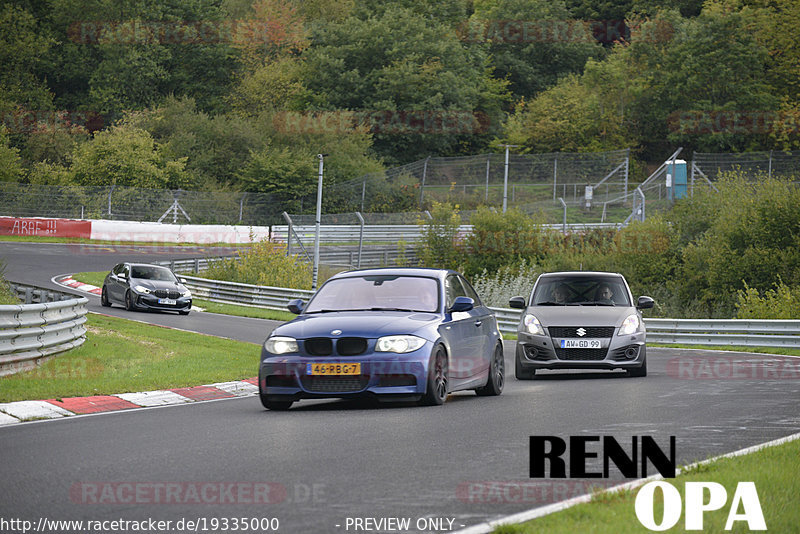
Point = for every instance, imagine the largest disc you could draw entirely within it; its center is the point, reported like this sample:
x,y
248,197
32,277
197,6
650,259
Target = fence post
x,y
564,228
488,159
241,207
555,174
360,239
363,193
288,234
422,187
109,199
627,166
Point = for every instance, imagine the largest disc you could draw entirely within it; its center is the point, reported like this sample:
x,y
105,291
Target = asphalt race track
x,y
323,462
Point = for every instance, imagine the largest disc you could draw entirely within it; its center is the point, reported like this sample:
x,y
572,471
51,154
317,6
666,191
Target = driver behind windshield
x,y
560,294
605,294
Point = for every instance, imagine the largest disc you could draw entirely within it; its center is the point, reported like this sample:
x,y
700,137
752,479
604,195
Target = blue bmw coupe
x,y
397,334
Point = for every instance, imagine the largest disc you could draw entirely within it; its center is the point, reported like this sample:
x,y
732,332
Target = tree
x,y
127,156
215,147
400,62
22,47
11,169
581,113
533,43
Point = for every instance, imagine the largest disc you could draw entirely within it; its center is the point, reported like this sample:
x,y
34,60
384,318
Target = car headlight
x,y
141,289
532,324
280,345
186,294
630,325
399,344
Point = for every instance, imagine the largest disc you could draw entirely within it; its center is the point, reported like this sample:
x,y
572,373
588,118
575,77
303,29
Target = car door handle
x,y
478,322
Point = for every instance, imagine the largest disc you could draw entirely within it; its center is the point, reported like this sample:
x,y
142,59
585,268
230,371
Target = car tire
x,y
521,373
104,298
640,371
129,305
275,405
496,379
436,391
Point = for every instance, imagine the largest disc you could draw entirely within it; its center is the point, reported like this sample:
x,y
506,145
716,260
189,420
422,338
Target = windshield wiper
x,y
322,311
596,303
391,309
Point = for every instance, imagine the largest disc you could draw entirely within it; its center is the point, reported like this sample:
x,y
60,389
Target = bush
x,y
265,264
499,239
497,287
751,240
782,302
439,246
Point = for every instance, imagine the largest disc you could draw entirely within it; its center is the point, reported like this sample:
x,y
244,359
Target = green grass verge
x,y
122,356
243,311
774,471
96,279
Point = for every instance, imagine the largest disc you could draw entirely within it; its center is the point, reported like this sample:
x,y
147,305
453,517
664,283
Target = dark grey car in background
x,y
581,320
142,286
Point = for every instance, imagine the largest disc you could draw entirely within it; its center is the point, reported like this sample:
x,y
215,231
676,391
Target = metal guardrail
x,y
244,294
390,233
712,332
31,333
722,332
192,265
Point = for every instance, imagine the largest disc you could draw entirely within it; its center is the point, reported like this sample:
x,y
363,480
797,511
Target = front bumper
x,y
151,302
388,375
544,352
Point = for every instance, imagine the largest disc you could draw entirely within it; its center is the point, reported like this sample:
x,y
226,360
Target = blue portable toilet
x,y
676,179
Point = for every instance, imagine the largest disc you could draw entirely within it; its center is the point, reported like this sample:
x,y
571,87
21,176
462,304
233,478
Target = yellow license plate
x,y
333,368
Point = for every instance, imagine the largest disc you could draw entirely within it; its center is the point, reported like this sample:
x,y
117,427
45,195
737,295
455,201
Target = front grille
x,y
591,331
397,380
334,384
581,354
346,346
319,346
351,346
281,381
167,293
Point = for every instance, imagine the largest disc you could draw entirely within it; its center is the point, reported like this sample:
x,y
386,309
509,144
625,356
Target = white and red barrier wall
x,y
132,230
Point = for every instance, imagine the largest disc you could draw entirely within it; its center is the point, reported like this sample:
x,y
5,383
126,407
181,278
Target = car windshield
x,y
146,272
581,291
376,293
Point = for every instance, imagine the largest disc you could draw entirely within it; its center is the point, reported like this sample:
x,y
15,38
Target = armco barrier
x,y
243,294
712,332
31,333
722,332
390,233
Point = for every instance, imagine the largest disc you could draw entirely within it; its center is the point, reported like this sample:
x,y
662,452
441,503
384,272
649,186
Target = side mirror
x,y
517,302
645,303
182,280
296,306
462,304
